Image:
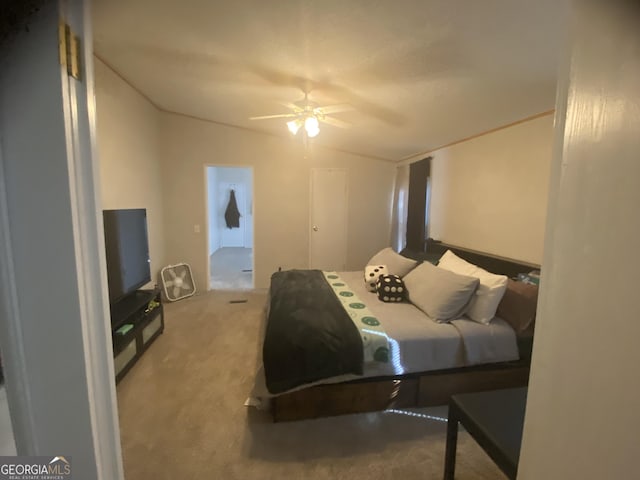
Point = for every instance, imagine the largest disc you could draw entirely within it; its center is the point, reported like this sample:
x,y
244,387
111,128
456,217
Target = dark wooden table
x,y
495,420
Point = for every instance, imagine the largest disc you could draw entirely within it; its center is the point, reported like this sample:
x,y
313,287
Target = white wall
x,y
490,193
281,189
582,418
129,156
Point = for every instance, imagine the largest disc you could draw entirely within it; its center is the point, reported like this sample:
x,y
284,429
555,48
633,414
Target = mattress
x,y
419,344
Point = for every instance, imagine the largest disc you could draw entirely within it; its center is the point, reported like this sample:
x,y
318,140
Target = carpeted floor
x,y
182,414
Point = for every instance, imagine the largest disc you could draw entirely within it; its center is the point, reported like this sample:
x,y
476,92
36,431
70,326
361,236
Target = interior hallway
x,y
231,268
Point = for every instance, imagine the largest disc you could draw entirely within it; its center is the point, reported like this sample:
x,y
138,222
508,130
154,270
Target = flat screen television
x,y
127,251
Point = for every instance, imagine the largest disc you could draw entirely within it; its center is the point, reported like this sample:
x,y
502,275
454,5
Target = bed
x,y
411,361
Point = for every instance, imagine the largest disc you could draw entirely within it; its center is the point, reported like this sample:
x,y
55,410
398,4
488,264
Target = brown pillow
x,y
518,306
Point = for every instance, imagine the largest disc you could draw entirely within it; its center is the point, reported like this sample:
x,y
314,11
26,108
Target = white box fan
x,y
177,281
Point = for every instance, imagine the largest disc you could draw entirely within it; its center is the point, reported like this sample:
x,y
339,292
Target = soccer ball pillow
x,y
391,288
371,274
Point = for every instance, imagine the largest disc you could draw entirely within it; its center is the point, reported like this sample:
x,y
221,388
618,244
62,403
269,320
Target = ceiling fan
x,y
308,114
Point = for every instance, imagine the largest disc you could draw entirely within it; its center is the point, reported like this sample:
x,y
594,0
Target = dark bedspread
x,y
309,335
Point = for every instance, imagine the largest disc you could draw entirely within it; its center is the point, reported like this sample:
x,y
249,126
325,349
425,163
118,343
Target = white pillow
x,y
441,294
396,263
484,303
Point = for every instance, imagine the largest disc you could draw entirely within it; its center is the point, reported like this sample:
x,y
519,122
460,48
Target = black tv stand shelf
x,y
136,321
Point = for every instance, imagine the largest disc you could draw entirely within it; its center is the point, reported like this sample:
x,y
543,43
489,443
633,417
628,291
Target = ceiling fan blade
x,y
282,78
282,115
292,106
335,122
307,85
337,108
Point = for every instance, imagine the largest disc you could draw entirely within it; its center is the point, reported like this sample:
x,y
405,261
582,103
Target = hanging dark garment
x,y
232,214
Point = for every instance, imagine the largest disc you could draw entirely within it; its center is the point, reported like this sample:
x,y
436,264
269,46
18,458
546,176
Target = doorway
x,y
230,227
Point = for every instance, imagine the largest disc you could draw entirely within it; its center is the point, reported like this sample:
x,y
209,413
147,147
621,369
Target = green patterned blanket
x,y
375,342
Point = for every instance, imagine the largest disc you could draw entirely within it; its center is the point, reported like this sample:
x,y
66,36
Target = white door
x,y
328,236
55,335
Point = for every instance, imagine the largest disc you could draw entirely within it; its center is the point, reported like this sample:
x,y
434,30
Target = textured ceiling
x,y
418,74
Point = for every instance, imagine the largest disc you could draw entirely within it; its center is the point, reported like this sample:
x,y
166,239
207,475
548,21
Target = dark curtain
x,y
417,204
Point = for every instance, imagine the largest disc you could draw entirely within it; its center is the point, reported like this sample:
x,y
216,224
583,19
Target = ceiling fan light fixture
x,y
311,123
294,125
312,126
312,132
308,114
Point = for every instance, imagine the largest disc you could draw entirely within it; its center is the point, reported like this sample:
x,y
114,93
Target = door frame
x,y
346,218
99,423
206,216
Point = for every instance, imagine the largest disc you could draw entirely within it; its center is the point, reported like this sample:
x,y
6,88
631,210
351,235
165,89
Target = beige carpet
x,y
182,414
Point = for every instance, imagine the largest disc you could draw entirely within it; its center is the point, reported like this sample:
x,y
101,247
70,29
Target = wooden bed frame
x,y
416,389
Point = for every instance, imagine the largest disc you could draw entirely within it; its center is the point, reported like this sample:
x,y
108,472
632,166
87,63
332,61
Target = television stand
x,y
136,321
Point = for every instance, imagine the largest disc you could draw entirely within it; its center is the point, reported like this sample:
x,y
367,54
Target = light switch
x,y
196,228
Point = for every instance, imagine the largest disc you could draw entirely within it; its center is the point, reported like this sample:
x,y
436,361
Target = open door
x,y
54,319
